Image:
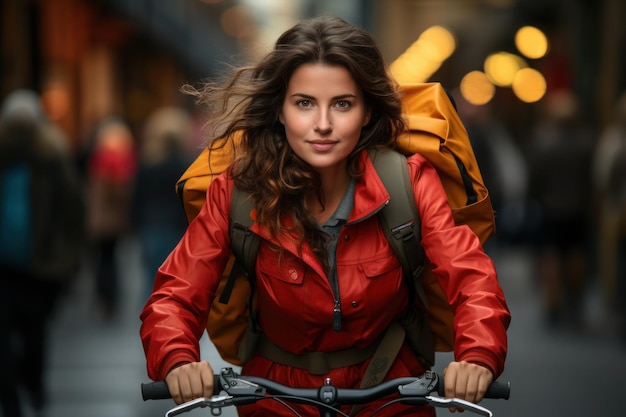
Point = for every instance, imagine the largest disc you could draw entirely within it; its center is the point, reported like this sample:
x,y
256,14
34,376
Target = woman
x,y
308,112
111,170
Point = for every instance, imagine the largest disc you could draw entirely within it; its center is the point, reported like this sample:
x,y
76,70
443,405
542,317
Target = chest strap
x,y
316,363
320,363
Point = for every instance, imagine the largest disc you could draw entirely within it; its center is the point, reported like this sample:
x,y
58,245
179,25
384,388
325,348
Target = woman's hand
x,y
190,381
466,381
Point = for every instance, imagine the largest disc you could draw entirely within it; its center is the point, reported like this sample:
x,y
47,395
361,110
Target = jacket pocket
x,y
380,267
285,268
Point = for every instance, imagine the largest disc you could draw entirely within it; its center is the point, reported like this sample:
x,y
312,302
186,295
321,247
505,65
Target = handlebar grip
x,y
499,390
496,390
158,390
155,391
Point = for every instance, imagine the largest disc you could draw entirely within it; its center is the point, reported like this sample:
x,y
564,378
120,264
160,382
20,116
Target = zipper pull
x,y
337,316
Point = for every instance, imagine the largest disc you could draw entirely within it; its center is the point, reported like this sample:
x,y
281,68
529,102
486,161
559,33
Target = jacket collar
x,y
370,195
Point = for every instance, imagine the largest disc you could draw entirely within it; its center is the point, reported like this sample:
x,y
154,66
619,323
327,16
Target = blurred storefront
x,y
95,58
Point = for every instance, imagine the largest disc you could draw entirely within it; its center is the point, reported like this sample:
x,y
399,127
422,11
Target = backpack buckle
x,y
404,231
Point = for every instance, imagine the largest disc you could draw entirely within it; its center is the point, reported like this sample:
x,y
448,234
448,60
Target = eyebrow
x,y
339,97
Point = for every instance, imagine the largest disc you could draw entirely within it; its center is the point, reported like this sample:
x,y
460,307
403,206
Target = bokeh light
x,y
529,85
476,88
425,56
442,40
501,68
531,42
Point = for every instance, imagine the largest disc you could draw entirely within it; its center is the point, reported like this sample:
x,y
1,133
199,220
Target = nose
x,y
323,124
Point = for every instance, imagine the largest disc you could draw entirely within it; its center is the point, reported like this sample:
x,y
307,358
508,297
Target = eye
x,y
343,104
304,103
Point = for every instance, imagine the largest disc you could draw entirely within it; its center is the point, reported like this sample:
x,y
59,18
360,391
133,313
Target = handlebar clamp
x,y
423,386
327,392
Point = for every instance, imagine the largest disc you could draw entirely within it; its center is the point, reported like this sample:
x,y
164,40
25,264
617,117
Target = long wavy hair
x,y
246,115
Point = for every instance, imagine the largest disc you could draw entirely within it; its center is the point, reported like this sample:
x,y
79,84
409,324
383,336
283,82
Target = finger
x,y
484,381
173,385
472,386
449,381
186,384
200,376
478,380
207,380
196,385
461,383
174,389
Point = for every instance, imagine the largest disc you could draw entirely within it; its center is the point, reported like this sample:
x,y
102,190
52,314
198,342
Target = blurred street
x,y
557,372
97,366
552,154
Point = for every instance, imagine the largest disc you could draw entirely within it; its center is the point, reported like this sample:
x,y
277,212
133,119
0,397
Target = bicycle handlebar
x,y
243,389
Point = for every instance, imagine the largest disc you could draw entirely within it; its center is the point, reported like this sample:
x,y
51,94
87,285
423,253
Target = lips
x,y
322,146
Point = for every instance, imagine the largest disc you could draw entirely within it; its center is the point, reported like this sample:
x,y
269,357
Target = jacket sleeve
x,y
174,317
464,271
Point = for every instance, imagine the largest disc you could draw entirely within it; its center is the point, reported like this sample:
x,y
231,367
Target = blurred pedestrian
x,y
158,217
41,236
505,172
609,173
560,167
111,169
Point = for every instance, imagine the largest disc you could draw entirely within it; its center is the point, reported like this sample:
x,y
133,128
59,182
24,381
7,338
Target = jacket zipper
x,y
337,316
334,280
334,284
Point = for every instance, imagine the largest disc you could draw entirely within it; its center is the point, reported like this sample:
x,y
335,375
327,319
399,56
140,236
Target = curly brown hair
x,y
246,114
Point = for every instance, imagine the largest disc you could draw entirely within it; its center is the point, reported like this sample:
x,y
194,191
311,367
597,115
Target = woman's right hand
x,y
190,381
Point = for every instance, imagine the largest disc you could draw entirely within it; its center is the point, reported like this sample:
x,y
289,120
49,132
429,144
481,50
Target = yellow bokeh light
x,y
531,42
529,85
476,88
426,50
442,39
501,68
424,57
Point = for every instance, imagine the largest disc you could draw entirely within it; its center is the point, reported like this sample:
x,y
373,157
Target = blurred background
x,y
540,85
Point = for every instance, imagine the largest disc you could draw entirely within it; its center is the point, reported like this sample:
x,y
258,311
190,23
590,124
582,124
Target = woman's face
x,y
323,113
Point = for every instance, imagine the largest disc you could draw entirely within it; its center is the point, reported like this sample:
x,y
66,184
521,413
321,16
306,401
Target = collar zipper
x,y
337,316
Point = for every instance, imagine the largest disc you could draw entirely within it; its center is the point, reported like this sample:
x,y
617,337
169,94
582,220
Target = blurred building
x,y
94,58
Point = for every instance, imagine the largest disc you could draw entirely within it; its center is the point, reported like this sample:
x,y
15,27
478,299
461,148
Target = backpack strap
x,y
244,243
400,219
400,222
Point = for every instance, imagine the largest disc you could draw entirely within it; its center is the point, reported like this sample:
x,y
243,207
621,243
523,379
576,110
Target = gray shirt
x,y
333,227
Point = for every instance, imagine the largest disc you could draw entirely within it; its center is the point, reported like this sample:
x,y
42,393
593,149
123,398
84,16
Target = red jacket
x,y
295,299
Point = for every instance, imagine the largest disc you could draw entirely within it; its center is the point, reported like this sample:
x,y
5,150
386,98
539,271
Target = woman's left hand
x,y
466,381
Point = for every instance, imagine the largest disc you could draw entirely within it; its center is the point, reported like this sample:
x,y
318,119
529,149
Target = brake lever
x,y
188,406
216,403
427,384
456,402
237,386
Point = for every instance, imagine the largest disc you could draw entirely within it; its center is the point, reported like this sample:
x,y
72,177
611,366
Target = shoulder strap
x,y
400,222
244,243
400,219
